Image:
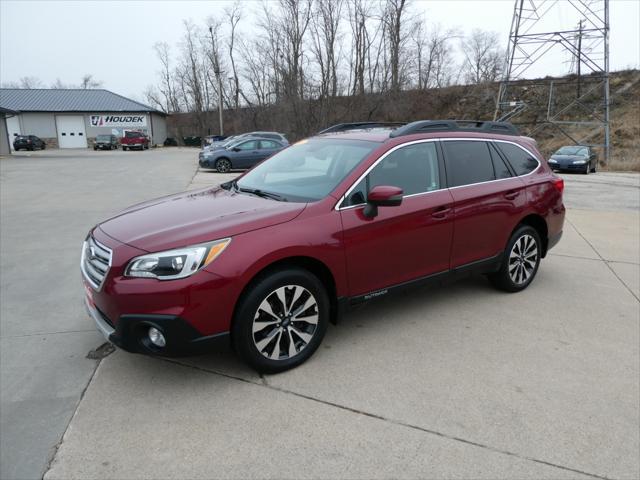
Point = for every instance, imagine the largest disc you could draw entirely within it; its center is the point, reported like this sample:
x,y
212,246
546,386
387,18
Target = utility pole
x,y
579,57
218,74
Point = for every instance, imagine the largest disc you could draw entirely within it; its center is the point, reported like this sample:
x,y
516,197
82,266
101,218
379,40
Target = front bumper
x,y
568,167
193,313
130,334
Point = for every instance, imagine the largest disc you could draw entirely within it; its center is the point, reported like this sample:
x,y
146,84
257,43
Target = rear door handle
x,y
441,212
512,194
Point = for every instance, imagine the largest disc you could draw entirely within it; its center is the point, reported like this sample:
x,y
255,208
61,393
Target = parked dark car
x,y
106,142
170,142
192,141
210,139
267,260
28,142
578,158
244,153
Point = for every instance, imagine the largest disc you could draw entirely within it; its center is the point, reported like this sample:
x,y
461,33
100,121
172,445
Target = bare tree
x,y
360,14
483,57
393,18
325,32
167,88
433,55
233,16
24,82
89,82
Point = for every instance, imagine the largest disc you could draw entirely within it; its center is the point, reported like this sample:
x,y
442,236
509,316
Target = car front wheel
x,y
223,165
520,261
281,321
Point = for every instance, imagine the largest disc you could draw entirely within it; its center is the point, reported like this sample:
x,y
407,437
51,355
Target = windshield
x,y
572,151
103,138
309,170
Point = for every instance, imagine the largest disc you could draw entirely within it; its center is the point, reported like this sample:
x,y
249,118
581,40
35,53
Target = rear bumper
x,y
130,334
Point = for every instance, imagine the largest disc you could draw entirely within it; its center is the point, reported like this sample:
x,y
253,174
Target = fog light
x,y
156,337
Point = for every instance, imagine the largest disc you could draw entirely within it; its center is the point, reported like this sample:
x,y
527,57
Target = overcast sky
x,y
113,40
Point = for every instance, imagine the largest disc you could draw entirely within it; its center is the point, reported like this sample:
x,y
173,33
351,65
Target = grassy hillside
x,y
302,118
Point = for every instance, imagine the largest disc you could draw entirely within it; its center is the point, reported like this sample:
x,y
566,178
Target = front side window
x,y
521,161
413,168
309,170
468,162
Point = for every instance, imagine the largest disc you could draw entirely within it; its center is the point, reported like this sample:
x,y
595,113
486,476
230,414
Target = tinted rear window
x,y
467,162
521,161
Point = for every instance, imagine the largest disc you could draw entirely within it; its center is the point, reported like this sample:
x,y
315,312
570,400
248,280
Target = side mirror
x,y
235,149
382,196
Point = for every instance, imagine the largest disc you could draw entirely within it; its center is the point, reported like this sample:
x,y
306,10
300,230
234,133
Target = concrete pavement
x,y
48,201
456,382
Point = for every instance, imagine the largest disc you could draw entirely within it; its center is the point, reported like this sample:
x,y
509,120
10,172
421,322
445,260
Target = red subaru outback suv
x,y
266,261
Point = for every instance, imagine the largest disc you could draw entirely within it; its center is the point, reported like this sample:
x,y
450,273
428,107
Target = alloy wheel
x,y
285,322
523,259
223,165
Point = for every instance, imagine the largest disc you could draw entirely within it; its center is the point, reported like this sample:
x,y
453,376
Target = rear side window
x,y
468,162
501,169
521,161
268,144
414,169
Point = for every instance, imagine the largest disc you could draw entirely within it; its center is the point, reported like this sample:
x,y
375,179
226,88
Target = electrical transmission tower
x,y
540,31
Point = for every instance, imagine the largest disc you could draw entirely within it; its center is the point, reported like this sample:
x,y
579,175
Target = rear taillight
x,y
559,184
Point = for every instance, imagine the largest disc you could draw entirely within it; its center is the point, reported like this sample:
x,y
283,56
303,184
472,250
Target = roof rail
x,y
428,126
343,127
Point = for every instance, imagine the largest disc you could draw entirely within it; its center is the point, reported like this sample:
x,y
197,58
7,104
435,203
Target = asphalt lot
x,y
456,382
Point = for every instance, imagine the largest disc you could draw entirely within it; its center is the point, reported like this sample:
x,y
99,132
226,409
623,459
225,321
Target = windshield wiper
x,y
260,193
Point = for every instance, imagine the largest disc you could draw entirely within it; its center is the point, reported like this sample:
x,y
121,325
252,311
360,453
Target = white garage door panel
x,y
71,132
13,127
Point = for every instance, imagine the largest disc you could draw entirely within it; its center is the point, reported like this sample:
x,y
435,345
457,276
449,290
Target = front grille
x,y
95,262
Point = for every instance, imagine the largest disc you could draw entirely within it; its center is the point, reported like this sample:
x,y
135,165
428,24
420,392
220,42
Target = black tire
x,y
258,349
44,145
95,149
124,149
595,167
587,169
223,165
517,261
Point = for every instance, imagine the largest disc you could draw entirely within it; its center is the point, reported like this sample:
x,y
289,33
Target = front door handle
x,y
441,212
512,194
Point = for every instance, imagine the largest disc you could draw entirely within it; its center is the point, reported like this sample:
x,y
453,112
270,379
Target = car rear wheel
x,y
281,321
595,167
124,149
223,165
520,261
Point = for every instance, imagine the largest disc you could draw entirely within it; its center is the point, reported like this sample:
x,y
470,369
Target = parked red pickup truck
x,y
134,140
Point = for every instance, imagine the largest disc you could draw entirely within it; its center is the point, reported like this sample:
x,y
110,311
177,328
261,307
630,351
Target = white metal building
x,y
72,118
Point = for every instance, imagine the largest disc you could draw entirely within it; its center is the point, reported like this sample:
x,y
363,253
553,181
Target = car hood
x,y
196,217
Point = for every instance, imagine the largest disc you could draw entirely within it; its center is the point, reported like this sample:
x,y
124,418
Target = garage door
x,y
71,131
13,127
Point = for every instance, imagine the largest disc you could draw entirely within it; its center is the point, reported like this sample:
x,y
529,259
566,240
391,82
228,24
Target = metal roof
x,y
68,100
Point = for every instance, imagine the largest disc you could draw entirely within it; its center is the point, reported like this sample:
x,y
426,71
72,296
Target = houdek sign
x,y
118,120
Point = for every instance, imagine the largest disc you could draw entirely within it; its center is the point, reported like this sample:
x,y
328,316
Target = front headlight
x,y
178,263
579,162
